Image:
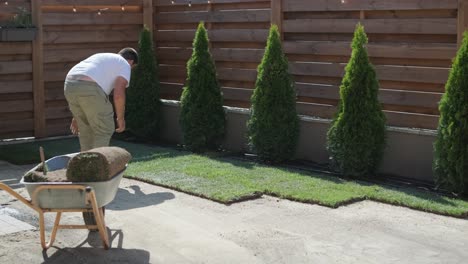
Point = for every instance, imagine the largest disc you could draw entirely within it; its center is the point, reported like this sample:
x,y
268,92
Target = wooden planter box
x,y
17,34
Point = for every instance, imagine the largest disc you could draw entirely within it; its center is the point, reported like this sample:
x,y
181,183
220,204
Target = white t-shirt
x,y
103,68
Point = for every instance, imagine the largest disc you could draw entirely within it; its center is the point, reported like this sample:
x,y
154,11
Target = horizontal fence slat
x,y
381,50
7,48
58,112
64,37
8,126
176,3
398,119
92,19
226,35
381,26
411,120
384,72
16,106
89,2
349,5
52,56
392,97
412,74
58,129
14,67
214,16
15,87
219,54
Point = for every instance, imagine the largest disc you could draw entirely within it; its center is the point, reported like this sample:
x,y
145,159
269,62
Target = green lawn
x,y
228,180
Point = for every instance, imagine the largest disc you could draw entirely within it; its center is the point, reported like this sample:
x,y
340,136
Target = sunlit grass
x,y
228,180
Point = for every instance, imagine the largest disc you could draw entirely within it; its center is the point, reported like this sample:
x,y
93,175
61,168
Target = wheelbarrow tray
x,y
67,198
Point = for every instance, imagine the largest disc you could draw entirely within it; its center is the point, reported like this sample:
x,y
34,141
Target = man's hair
x,y
129,54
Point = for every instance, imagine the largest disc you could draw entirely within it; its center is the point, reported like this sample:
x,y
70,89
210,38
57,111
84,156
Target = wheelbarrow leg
x,y
44,244
99,215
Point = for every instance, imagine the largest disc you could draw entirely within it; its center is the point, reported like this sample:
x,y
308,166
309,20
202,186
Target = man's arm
x,y
74,127
119,102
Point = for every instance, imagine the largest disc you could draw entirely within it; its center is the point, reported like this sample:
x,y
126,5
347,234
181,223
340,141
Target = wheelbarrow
x,y
60,197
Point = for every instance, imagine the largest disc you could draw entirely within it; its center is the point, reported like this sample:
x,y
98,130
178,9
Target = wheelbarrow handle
x,y
18,196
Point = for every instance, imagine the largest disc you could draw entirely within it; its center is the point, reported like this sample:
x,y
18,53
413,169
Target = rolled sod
x,y
99,164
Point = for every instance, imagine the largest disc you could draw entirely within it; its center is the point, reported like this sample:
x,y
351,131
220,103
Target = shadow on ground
x,y
129,200
95,253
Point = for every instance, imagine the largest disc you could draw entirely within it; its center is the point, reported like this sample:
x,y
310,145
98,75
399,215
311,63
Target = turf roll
x,y
98,164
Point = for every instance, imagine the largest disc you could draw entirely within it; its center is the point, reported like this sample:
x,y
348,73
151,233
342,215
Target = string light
x,y
6,2
100,11
190,2
122,6
74,9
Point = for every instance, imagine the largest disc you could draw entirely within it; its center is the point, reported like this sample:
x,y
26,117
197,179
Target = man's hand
x,y
74,127
120,125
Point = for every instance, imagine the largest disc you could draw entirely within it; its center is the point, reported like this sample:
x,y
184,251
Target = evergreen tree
x,y
273,125
356,138
143,117
451,145
202,116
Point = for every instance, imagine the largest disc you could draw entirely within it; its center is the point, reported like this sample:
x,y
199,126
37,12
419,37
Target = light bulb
x,y
189,3
123,8
74,9
99,13
172,2
6,2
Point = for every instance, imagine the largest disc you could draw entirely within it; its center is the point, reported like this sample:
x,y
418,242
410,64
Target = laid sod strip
x,y
230,180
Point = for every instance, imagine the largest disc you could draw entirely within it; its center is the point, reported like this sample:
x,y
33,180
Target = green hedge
x,y
273,126
356,139
451,145
143,117
202,116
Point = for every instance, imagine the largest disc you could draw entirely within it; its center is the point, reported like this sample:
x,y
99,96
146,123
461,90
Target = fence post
x,y
277,15
462,19
209,25
148,14
38,79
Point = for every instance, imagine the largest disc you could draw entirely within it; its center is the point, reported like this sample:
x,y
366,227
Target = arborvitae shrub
x,y
356,138
143,117
451,145
273,126
202,115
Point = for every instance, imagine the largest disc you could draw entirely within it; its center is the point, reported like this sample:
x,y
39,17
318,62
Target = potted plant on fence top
x,y
19,28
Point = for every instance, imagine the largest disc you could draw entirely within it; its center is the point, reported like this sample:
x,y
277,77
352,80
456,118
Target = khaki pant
x,y
93,112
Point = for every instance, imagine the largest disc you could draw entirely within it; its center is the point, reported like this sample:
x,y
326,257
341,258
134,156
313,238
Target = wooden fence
x,y
411,44
16,80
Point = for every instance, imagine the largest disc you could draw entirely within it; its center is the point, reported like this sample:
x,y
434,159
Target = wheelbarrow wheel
x,y
89,218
